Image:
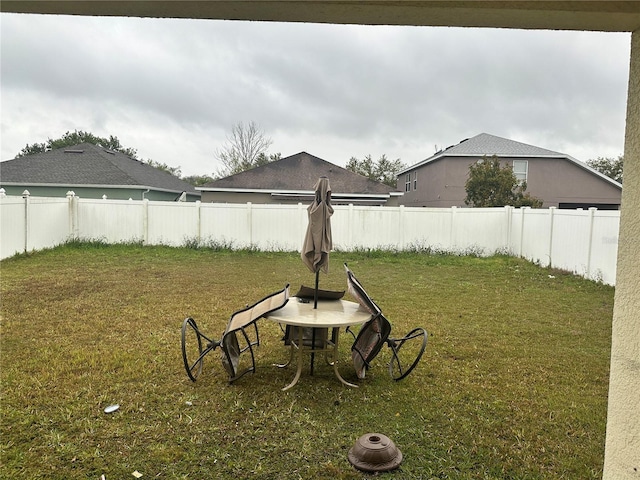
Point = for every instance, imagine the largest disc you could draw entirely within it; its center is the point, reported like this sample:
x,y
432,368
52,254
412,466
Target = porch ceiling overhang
x,y
619,16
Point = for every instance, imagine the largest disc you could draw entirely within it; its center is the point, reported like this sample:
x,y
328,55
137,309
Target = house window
x,y
407,182
415,180
520,168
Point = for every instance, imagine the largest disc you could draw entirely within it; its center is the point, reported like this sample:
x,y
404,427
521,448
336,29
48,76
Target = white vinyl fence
x,y
581,241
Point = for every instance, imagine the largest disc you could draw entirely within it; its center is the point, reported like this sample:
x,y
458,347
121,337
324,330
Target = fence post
x,y
71,195
522,212
452,230
350,226
508,211
198,222
302,223
145,221
401,219
592,215
552,212
250,222
27,196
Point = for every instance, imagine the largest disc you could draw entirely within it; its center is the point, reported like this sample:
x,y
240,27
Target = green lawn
x,y
513,383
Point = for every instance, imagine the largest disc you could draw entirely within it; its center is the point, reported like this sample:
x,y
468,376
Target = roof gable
x,y
85,165
299,173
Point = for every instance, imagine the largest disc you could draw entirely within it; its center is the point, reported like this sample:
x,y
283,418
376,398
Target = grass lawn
x,y
513,384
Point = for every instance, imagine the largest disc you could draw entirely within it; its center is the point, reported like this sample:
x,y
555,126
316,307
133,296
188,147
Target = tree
x,y
245,148
199,180
175,171
611,167
263,158
492,185
74,138
383,171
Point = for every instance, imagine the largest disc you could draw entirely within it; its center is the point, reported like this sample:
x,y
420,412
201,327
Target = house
x,y
91,171
557,179
290,180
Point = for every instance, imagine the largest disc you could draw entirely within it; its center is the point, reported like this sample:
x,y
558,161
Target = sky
x,y
173,89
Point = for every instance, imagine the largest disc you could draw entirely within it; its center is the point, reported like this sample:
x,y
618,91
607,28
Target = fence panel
x,y
171,223
341,227
365,227
112,221
533,229
13,226
516,223
33,223
48,222
479,230
570,244
276,227
225,224
427,228
604,246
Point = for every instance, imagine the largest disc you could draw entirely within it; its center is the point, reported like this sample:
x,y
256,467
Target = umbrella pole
x,y
315,294
313,330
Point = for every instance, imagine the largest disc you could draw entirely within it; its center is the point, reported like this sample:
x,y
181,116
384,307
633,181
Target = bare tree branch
x,y
245,148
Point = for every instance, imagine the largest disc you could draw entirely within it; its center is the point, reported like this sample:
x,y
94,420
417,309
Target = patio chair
x,y
239,337
405,351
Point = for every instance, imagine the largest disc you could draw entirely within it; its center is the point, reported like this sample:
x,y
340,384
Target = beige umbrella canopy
x,y
317,241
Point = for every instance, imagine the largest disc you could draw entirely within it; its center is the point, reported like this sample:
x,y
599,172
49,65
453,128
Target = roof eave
x,y
296,192
420,164
94,185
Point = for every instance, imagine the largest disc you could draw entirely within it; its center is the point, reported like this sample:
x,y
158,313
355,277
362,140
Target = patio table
x,y
329,314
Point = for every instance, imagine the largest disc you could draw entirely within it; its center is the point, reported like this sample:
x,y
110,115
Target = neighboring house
x,y
290,180
91,171
557,179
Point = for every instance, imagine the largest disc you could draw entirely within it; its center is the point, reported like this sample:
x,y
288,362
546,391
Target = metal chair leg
x,y
193,352
398,368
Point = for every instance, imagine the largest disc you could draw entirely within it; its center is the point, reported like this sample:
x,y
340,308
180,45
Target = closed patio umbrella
x,y
317,241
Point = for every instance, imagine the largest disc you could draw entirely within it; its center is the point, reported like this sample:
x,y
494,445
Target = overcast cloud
x,y
172,89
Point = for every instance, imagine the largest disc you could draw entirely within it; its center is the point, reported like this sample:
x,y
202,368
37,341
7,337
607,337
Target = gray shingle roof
x,y
88,164
300,172
485,144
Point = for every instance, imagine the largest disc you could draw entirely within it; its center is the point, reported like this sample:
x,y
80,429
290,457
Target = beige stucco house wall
x,y
622,450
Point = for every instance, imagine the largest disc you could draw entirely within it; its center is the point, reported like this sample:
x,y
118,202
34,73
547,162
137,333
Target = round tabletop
x,y
330,313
